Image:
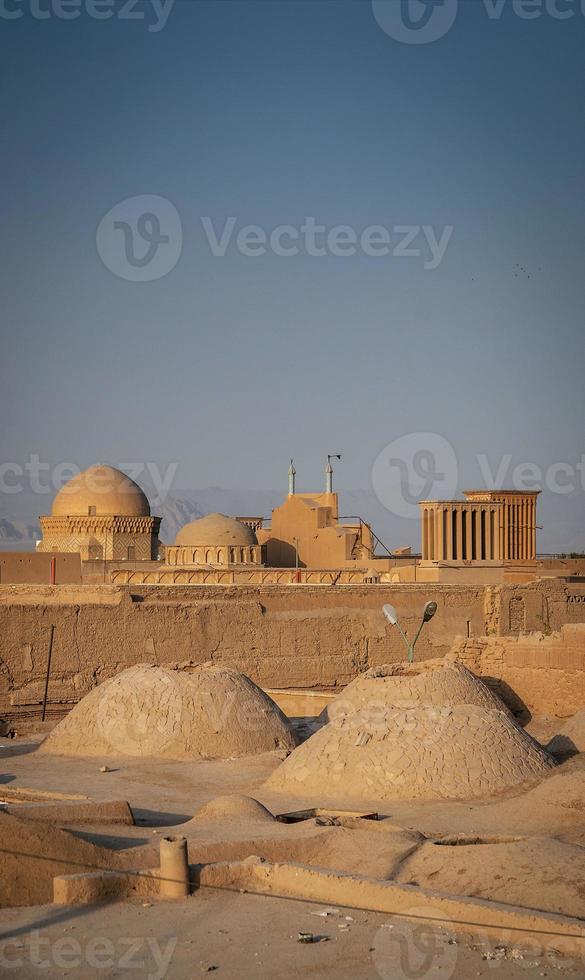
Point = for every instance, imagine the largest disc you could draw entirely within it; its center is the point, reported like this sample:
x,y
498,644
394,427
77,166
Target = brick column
x,y
440,533
449,542
477,533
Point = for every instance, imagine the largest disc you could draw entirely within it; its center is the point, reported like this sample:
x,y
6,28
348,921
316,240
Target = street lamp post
x,y
392,617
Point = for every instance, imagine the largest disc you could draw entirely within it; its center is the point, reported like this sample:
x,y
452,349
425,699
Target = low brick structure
x,y
538,673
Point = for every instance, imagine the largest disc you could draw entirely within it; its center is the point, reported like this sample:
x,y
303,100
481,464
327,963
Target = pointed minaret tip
x,y
329,472
291,478
329,476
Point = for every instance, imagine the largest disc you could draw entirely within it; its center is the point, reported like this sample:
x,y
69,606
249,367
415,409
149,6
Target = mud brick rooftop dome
x,y
149,712
103,491
427,752
438,682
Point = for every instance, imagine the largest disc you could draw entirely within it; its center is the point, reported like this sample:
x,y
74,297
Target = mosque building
x,y
101,514
306,531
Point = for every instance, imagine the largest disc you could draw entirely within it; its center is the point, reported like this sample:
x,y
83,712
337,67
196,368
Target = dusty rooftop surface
x,y
242,935
448,815
239,936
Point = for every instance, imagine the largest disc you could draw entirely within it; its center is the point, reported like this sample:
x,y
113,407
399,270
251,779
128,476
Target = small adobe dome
x,y
102,491
233,807
216,529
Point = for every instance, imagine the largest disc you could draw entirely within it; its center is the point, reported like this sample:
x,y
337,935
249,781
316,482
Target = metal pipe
x,y
49,658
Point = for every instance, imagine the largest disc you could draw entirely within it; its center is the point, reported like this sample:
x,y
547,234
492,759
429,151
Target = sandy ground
x,y
241,936
248,936
164,793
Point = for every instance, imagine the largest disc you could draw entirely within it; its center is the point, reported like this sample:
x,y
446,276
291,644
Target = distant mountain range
x,y
562,517
13,533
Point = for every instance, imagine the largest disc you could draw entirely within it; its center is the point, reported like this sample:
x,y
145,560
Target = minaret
x,y
329,476
291,478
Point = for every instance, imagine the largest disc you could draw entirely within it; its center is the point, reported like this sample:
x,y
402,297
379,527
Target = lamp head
x,y
429,611
390,614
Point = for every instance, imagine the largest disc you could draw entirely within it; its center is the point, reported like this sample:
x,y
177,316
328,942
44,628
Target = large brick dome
x,y
102,491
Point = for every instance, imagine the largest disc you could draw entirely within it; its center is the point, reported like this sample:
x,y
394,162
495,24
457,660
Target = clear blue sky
x,y
272,112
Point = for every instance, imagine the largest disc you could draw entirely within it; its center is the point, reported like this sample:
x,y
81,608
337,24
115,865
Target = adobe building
x,y
30,568
491,534
306,531
101,514
215,540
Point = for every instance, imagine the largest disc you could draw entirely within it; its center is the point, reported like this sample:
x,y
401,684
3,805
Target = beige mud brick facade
x,y
544,674
307,526
488,530
21,567
281,636
102,538
488,526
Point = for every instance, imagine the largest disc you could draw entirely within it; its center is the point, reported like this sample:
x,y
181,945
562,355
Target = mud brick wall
x,y
281,636
538,673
